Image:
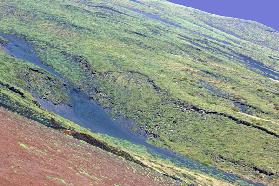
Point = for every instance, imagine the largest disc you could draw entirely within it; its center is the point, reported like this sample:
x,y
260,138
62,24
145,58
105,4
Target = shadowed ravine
x,y
89,114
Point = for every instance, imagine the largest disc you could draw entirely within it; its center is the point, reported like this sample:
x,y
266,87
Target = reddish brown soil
x,y
32,154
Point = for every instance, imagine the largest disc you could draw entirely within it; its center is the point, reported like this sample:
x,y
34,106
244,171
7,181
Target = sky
x,y
263,11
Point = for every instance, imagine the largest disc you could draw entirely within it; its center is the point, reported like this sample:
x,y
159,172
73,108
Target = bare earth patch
x,y
32,154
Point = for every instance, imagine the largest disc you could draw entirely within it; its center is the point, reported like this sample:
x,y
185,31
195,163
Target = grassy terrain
x,y
22,102
147,61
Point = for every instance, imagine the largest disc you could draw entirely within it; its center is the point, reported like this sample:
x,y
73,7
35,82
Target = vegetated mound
x,y
32,154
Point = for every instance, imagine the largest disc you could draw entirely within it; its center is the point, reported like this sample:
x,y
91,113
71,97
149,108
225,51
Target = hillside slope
x,y
32,154
202,85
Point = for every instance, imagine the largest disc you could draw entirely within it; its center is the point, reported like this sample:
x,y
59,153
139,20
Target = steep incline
x,y
31,154
202,85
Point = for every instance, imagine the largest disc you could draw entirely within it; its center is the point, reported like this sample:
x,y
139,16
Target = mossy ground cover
x,y
138,65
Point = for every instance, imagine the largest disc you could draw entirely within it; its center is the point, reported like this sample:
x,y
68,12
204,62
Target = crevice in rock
x,y
13,89
186,107
254,168
106,147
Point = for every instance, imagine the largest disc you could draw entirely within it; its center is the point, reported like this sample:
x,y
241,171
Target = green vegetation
x,y
139,154
24,146
150,69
